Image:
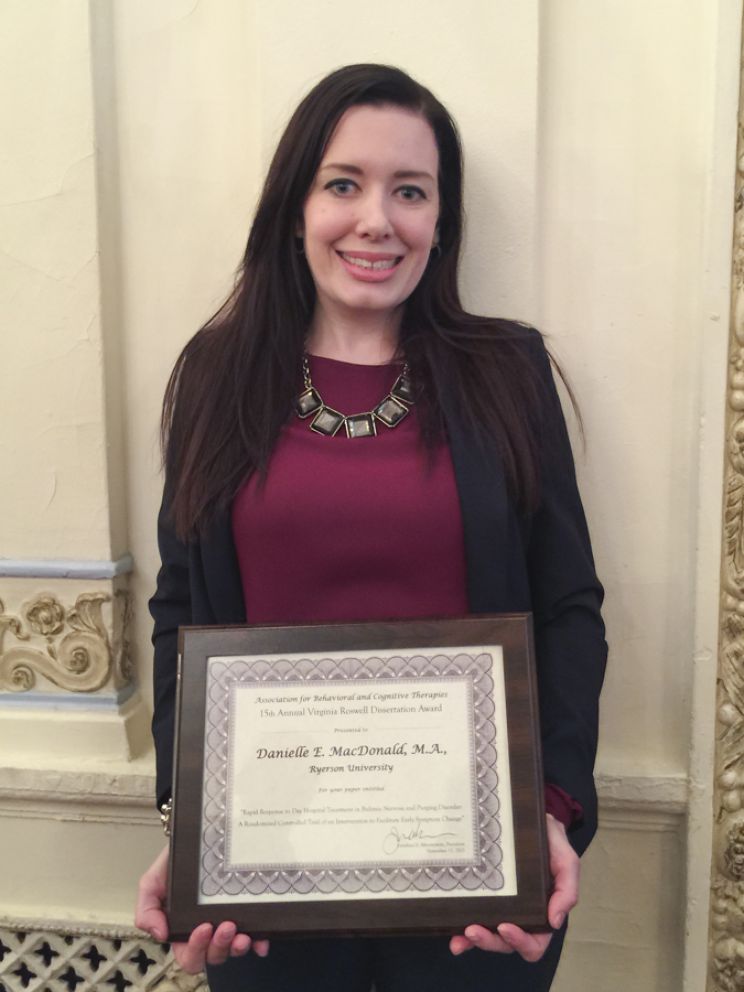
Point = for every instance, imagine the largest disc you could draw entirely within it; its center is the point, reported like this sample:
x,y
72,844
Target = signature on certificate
x,y
396,837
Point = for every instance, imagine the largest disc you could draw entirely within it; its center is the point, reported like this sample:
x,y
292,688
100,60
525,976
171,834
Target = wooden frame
x,y
419,784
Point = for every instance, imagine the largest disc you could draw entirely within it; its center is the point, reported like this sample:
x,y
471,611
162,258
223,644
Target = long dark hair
x,y
231,390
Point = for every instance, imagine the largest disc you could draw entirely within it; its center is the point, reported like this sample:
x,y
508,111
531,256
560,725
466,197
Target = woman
x,y
286,501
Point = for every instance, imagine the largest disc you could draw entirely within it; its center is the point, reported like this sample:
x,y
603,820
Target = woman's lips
x,y
369,266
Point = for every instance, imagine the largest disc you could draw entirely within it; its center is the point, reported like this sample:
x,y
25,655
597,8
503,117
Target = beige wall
x,y
624,181
599,143
51,340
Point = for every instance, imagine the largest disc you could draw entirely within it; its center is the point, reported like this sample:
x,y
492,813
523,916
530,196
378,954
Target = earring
x,y
436,249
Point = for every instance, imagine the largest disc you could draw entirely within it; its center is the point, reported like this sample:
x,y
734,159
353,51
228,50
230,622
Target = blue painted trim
x,y
64,568
66,700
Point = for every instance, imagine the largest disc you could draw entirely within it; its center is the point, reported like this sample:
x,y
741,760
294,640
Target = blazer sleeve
x,y
570,646
170,608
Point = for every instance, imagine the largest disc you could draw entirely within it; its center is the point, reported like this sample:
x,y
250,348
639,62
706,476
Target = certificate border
x,y
528,908
482,870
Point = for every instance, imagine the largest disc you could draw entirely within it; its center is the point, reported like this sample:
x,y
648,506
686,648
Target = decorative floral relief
x,y
733,523
122,652
728,965
726,957
46,616
76,653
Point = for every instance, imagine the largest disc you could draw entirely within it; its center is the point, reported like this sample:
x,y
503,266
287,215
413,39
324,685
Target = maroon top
x,y
365,528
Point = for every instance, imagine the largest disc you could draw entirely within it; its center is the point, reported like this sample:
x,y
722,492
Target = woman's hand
x,y
206,945
564,867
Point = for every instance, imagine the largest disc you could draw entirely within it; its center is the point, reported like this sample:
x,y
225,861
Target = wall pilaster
x,y
70,707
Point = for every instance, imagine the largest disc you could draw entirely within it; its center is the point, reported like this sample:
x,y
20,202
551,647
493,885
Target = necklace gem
x,y
308,402
361,425
327,421
403,389
390,411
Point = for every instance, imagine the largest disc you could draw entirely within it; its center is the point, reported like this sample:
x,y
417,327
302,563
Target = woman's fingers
x,y
565,869
208,945
530,946
243,943
240,945
220,945
192,955
149,913
458,945
482,937
153,920
508,939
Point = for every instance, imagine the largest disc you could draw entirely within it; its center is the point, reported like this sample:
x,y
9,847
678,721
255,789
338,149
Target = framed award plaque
x,y
374,778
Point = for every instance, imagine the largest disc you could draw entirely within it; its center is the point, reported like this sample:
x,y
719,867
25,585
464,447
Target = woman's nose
x,y
373,220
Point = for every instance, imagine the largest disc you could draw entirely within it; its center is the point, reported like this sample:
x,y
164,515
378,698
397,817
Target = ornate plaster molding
x,y
70,647
655,793
726,938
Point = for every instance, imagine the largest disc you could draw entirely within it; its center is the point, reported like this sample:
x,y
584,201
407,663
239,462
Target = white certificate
x,y
357,776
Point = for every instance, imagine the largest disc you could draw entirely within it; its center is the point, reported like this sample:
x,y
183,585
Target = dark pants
x,y
394,964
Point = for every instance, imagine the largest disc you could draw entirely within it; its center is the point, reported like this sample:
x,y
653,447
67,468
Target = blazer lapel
x,y
222,582
485,515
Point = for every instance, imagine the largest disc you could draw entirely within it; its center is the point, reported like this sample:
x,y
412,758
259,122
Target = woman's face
x,y
370,218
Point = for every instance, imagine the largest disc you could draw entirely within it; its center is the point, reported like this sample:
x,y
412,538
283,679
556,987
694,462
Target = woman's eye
x,y
411,193
341,186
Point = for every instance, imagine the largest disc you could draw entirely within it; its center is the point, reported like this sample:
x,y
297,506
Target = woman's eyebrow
x,y
412,174
342,167
355,170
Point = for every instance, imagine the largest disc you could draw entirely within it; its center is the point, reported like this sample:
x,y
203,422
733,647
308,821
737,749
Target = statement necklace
x,y
389,411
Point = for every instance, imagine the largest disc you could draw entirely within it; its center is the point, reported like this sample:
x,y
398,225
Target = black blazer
x,y
541,562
